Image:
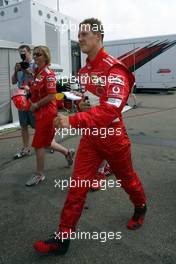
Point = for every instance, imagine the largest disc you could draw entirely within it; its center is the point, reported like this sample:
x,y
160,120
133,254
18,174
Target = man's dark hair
x,y
95,25
25,47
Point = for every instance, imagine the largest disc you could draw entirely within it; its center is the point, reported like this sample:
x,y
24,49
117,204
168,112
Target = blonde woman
x,y
43,105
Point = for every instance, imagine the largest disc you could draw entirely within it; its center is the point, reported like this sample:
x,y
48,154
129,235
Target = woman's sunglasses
x,y
37,54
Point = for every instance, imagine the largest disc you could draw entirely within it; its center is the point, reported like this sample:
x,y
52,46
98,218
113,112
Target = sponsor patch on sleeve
x,y
51,82
50,79
51,85
116,91
115,79
114,101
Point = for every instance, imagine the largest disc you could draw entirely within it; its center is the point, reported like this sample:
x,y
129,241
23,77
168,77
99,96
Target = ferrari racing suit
x,y
107,80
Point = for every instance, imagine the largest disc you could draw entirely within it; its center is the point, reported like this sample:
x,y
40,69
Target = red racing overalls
x,y
107,79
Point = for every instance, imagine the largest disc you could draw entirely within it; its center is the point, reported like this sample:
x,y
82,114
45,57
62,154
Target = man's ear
x,y
99,35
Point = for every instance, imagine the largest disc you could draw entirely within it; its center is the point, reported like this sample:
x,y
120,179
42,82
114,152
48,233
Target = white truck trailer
x,y
151,59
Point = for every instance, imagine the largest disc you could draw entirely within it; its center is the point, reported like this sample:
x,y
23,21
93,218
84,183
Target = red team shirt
x,y
44,84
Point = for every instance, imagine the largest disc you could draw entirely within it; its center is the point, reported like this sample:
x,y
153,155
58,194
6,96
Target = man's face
x,y
88,40
26,52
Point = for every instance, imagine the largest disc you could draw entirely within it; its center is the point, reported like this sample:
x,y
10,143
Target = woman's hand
x,y
61,121
77,93
33,107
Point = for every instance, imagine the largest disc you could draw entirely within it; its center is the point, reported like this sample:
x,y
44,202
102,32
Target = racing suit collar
x,y
39,70
101,54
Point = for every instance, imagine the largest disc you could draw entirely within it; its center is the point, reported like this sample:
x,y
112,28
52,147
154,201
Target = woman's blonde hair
x,y
46,52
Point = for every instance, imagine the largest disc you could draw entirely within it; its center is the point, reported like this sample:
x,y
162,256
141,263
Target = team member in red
x,y
43,105
113,87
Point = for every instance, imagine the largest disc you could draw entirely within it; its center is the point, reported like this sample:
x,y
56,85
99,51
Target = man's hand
x,y
84,106
17,67
28,72
61,121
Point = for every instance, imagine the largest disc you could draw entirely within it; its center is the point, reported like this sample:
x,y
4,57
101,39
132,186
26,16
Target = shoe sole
x,y
137,225
58,253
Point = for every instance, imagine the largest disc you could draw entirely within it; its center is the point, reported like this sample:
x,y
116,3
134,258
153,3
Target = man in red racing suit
x,y
107,79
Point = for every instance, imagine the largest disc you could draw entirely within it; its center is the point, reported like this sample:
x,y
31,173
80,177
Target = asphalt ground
x,y
29,214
